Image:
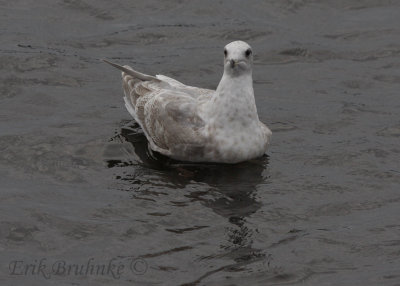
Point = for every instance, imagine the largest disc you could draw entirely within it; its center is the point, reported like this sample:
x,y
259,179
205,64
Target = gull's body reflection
x,y
231,194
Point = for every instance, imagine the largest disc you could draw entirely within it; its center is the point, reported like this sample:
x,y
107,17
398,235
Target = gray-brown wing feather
x,y
169,115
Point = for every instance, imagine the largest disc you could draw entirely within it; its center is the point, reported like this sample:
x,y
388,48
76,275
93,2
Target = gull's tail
x,y
132,83
136,86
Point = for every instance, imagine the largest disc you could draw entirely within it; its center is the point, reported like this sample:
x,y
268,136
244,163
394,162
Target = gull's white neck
x,y
233,103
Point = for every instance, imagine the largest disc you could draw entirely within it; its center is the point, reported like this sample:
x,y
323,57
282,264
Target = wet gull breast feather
x,y
195,124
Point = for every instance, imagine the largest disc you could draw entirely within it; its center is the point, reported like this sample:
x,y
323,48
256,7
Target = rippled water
x,y
80,189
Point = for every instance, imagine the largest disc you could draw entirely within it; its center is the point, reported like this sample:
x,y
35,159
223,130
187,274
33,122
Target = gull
x,y
194,124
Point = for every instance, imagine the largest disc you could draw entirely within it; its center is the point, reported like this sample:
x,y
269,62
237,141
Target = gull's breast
x,y
232,145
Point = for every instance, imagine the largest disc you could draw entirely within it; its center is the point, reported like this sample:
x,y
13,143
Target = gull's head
x,y
238,58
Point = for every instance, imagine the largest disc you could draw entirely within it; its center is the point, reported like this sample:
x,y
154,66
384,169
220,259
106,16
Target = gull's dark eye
x,y
248,52
225,52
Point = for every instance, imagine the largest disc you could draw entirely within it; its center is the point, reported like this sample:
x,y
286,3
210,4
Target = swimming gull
x,y
196,124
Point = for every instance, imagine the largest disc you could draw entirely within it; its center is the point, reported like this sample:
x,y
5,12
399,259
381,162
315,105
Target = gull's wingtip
x,y
132,72
111,63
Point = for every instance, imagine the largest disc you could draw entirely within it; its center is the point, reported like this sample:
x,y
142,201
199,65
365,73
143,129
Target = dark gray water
x,y
83,202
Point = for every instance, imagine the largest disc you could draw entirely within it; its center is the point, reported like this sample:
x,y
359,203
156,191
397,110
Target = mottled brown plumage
x,y
195,124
